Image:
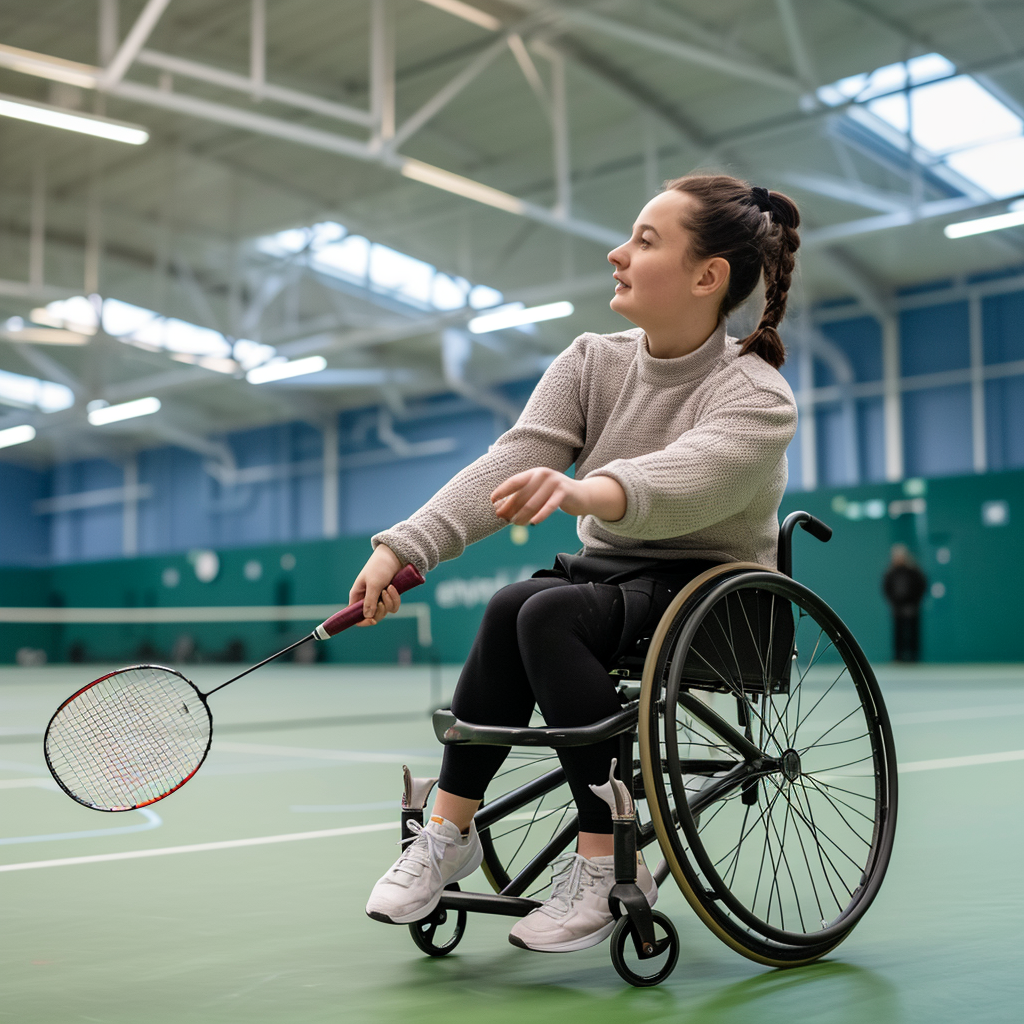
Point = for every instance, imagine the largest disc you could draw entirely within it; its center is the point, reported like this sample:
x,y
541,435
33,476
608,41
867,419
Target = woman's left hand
x,y
532,496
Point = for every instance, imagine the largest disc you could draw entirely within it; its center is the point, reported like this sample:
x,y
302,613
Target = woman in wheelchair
x,y
678,434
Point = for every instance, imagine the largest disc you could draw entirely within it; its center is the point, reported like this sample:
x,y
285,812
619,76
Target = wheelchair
x,y
755,751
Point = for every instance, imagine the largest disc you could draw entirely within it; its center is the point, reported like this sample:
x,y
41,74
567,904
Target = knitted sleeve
x,y
549,432
712,471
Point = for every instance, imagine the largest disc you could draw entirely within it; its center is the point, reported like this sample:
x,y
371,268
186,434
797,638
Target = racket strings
x,y
129,739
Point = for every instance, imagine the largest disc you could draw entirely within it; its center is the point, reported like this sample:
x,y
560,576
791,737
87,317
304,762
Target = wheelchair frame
x,y
676,806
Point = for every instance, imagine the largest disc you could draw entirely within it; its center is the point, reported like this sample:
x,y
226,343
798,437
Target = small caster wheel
x,y
425,933
643,969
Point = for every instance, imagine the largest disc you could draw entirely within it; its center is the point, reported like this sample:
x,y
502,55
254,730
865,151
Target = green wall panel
x,y
976,613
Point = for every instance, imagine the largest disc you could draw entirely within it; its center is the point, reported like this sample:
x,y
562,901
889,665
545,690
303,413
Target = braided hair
x,y
729,220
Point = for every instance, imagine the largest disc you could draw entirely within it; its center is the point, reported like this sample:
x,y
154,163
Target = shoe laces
x,y
425,848
571,875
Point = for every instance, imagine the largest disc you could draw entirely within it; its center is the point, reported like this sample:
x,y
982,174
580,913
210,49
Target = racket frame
x,y
405,579
145,803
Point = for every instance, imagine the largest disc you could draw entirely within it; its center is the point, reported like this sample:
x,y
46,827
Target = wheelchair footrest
x,y
487,903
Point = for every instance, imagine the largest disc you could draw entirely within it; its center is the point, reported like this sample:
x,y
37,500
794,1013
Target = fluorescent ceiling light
x,y
55,117
44,66
466,187
280,371
467,13
124,411
16,435
977,227
517,317
45,336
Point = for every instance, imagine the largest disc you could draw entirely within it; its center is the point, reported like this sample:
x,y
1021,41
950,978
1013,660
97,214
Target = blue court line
x,y
153,820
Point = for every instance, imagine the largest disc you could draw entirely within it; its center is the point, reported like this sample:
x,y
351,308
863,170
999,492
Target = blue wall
x,y
190,509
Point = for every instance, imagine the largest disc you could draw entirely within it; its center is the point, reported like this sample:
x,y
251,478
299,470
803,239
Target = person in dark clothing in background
x,y
904,586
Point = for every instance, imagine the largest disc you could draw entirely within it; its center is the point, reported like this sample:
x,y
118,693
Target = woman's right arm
x,y
371,586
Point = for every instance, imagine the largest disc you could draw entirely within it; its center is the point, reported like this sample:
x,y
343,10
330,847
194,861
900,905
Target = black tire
x,y
780,849
425,933
625,958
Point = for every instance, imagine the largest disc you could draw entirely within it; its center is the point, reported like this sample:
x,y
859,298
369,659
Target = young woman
x,y
678,434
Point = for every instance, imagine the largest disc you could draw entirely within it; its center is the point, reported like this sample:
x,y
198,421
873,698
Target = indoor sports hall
x,y
273,273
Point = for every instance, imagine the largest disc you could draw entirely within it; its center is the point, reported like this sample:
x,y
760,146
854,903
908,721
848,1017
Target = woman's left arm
x,y
531,496
712,471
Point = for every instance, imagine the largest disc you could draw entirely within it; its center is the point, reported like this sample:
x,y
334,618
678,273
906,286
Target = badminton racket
x,y
134,736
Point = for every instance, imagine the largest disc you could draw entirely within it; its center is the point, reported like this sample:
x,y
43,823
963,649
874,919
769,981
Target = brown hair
x,y
729,221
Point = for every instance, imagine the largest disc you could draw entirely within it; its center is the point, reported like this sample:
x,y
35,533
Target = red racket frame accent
x,y
89,686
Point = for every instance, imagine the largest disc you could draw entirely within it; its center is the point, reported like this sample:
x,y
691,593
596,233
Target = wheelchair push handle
x,y
816,528
405,579
812,524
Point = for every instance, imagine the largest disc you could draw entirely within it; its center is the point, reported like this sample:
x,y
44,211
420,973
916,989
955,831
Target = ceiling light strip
x,y
124,411
965,228
56,69
283,370
16,435
519,317
87,124
467,12
428,174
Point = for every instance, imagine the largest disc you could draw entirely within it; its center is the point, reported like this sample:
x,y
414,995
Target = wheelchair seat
x,y
746,645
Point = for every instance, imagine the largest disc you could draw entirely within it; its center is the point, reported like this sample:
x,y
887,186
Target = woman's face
x,y
657,285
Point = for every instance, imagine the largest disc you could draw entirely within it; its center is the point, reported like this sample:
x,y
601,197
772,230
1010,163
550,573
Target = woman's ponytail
x,y
730,221
778,264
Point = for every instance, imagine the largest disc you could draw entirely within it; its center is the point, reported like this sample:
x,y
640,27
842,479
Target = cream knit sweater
x,y
698,444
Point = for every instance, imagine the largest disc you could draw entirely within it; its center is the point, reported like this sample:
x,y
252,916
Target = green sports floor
x,y
209,929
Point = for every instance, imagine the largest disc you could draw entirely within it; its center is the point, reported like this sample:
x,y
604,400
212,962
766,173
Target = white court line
x,y
956,714
961,762
38,782
294,837
371,756
227,844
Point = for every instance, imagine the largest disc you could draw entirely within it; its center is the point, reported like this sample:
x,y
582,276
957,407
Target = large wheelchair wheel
x,y
768,763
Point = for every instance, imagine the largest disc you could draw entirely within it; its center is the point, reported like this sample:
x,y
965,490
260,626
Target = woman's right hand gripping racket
x,y
134,736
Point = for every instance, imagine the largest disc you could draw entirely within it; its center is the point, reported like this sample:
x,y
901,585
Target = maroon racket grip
x,y
404,580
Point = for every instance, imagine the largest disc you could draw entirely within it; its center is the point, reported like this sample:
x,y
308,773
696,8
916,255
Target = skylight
x,y
955,124
30,393
144,328
330,249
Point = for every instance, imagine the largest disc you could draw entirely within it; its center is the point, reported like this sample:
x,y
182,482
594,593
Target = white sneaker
x,y
411,888
577,914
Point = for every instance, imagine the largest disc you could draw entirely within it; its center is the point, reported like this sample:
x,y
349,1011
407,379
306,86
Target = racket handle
x,y
405,579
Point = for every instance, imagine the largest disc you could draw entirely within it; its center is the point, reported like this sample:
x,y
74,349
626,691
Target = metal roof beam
x,y
797,45
848,191
751,70
133,43
833,233
446,94
185,68
52,369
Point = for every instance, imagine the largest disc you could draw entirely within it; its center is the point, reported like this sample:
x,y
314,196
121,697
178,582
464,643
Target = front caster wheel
x,y
643,969
429,934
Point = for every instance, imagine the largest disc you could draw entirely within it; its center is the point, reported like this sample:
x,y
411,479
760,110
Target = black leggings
x,y
550,642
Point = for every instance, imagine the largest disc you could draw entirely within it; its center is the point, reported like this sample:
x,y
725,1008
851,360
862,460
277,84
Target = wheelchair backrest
x,y
745,641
